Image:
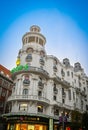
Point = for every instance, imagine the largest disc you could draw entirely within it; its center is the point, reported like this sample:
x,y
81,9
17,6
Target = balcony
x,y
78,90
57,79
77,107
33,70
26,82
67,84
29,98
56,103
66,106
62,105
38,70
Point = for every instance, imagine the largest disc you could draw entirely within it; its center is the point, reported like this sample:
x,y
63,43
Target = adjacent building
x,y
6,84
44,87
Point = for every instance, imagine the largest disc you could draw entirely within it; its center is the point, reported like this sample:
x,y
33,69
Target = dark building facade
x,y
6,84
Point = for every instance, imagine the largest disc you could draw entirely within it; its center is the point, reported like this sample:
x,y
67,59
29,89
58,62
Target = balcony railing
x,y
66,106
62,105
66,83
59,104
63,82
26,82
34,70
78,90
38,70
29,97
57,78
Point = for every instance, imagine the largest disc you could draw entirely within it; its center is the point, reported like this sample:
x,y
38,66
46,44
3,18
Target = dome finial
x,y
35,28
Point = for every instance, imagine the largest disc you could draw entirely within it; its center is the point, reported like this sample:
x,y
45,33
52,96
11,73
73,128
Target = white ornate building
x,y
44,87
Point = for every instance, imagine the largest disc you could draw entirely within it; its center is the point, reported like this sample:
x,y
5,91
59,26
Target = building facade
x,y
44,88
6,85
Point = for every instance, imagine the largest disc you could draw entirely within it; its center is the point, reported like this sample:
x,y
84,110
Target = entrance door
x,y
23,127
30,127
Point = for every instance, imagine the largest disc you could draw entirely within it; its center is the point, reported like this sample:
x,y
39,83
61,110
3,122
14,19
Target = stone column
x,y
50,124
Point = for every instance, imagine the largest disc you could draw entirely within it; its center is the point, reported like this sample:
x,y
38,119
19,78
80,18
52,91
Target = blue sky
x,y
64,23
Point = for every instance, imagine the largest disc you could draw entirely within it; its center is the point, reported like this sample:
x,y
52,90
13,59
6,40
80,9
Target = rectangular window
x,y
40,108
69,94
72,74
73,96
54,98
63,91
68,73
56,112
23,107
39,93
63,101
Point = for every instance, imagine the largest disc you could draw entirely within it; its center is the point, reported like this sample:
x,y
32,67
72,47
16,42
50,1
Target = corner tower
x,y
34,36
33,44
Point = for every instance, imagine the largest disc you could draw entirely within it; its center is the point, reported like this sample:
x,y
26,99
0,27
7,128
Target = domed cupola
x,y
66,62
34,36
77,67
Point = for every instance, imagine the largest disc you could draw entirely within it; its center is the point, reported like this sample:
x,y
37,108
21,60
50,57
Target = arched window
x,y
26,80
29,50
29,58
25,91
23,107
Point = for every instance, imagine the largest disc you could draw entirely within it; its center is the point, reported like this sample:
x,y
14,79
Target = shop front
x,y
26,126
24,122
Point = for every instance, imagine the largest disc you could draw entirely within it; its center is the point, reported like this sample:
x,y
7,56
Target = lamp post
x,y
63,120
